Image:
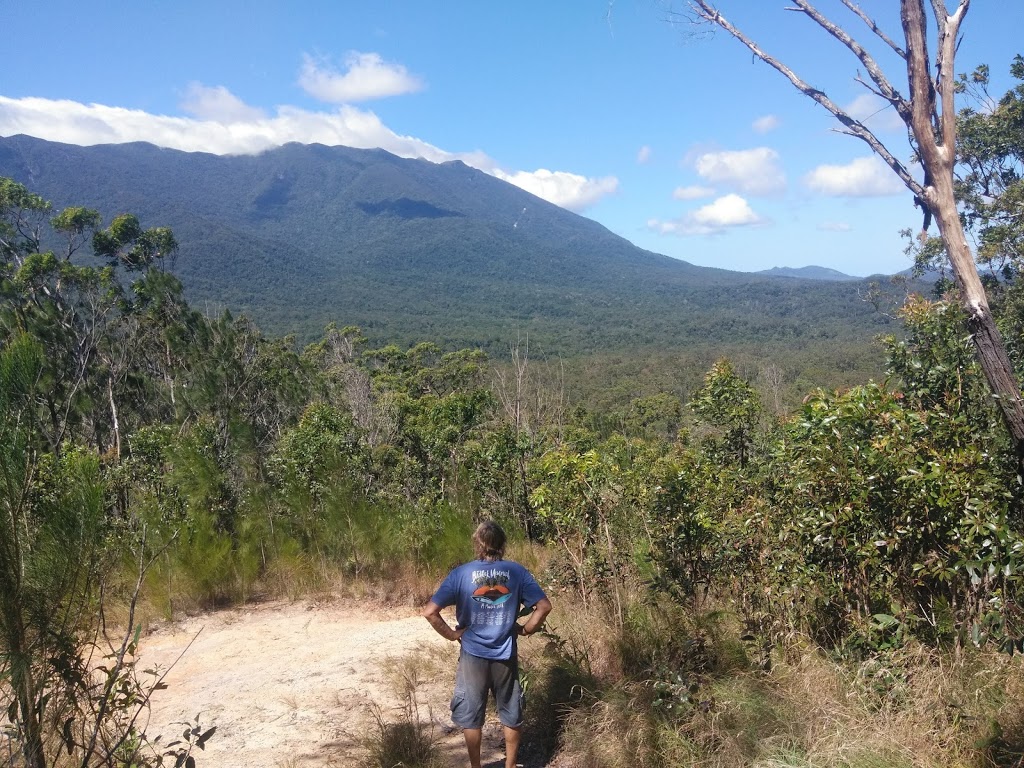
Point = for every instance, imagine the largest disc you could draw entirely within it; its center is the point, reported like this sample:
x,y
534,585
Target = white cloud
x,y
692,192
835,226
725,213
644,154
568,190
751,171
217,104
728,211
86,124
367,77
250,131
766,123
875,112
863,177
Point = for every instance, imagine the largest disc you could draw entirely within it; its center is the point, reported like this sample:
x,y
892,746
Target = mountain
x,y
807,273
409,250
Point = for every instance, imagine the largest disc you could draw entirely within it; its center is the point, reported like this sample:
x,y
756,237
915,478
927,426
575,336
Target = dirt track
x,y
294,684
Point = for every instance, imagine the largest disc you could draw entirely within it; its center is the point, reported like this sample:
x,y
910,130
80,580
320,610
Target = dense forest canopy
x,y
302,236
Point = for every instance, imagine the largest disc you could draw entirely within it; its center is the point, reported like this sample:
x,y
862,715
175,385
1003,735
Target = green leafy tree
x,y
732,407
694,532
899,502
99,328
51,535
252,387
990,160
126,243
574,495
439,404
658,415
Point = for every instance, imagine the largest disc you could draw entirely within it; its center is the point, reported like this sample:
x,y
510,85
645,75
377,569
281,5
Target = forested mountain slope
x,y
808,273
304,235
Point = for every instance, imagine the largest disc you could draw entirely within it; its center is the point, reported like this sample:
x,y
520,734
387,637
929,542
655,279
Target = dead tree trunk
x,y
935,135
930,116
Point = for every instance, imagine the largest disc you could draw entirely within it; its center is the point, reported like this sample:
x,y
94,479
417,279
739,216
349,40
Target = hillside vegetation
x,y
747,570
302,236
715,557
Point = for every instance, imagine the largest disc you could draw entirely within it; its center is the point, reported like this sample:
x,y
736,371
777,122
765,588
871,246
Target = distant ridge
x,y
304,235
807,273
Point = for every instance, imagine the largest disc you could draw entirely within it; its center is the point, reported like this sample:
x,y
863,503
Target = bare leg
x,y
511,746
473,738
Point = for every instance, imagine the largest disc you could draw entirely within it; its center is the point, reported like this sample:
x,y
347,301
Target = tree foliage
x,y
990,156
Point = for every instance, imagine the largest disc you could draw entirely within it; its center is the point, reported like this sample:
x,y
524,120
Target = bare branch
x,y
922,93
875,28
949,28
869,86
854,127
889,93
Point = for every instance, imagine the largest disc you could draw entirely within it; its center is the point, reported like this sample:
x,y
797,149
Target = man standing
x,y
487,593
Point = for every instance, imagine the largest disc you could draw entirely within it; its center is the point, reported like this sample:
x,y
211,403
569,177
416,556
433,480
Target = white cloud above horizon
x,y
366,77
835,226
766,124
568,190
750,171
223,124
643,155
862,177
217,103
725,213
875,112
693,192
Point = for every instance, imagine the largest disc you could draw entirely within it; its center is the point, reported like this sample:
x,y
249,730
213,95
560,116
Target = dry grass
x,y
533,556
296,575
428,665
169,594
586,638
404,743
617,730
171,589
405,585
913,708
408,740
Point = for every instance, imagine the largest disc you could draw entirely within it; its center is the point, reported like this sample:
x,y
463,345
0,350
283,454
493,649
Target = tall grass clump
x,y
408,740
556,678
404,743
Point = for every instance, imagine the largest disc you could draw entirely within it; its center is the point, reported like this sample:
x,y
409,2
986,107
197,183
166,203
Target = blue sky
x,y
622,111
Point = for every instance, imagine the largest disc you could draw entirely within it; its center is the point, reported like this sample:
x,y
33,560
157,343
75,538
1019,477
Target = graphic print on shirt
x,y
490,586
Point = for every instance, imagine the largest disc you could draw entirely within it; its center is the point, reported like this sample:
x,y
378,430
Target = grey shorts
x,y
474,679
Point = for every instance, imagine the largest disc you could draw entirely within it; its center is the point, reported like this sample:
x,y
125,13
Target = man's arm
x,y
536,620
432,613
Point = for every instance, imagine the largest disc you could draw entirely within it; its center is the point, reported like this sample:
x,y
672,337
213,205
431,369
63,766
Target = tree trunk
x,y
935,135
115,424
987,340
24,684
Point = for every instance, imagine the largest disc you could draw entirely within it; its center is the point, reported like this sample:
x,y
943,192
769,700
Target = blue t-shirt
x,y
487,596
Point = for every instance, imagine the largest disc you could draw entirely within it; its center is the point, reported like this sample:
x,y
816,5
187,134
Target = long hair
x,y
489,541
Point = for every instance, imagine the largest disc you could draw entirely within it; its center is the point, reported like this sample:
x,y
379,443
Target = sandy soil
x,y
295,685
